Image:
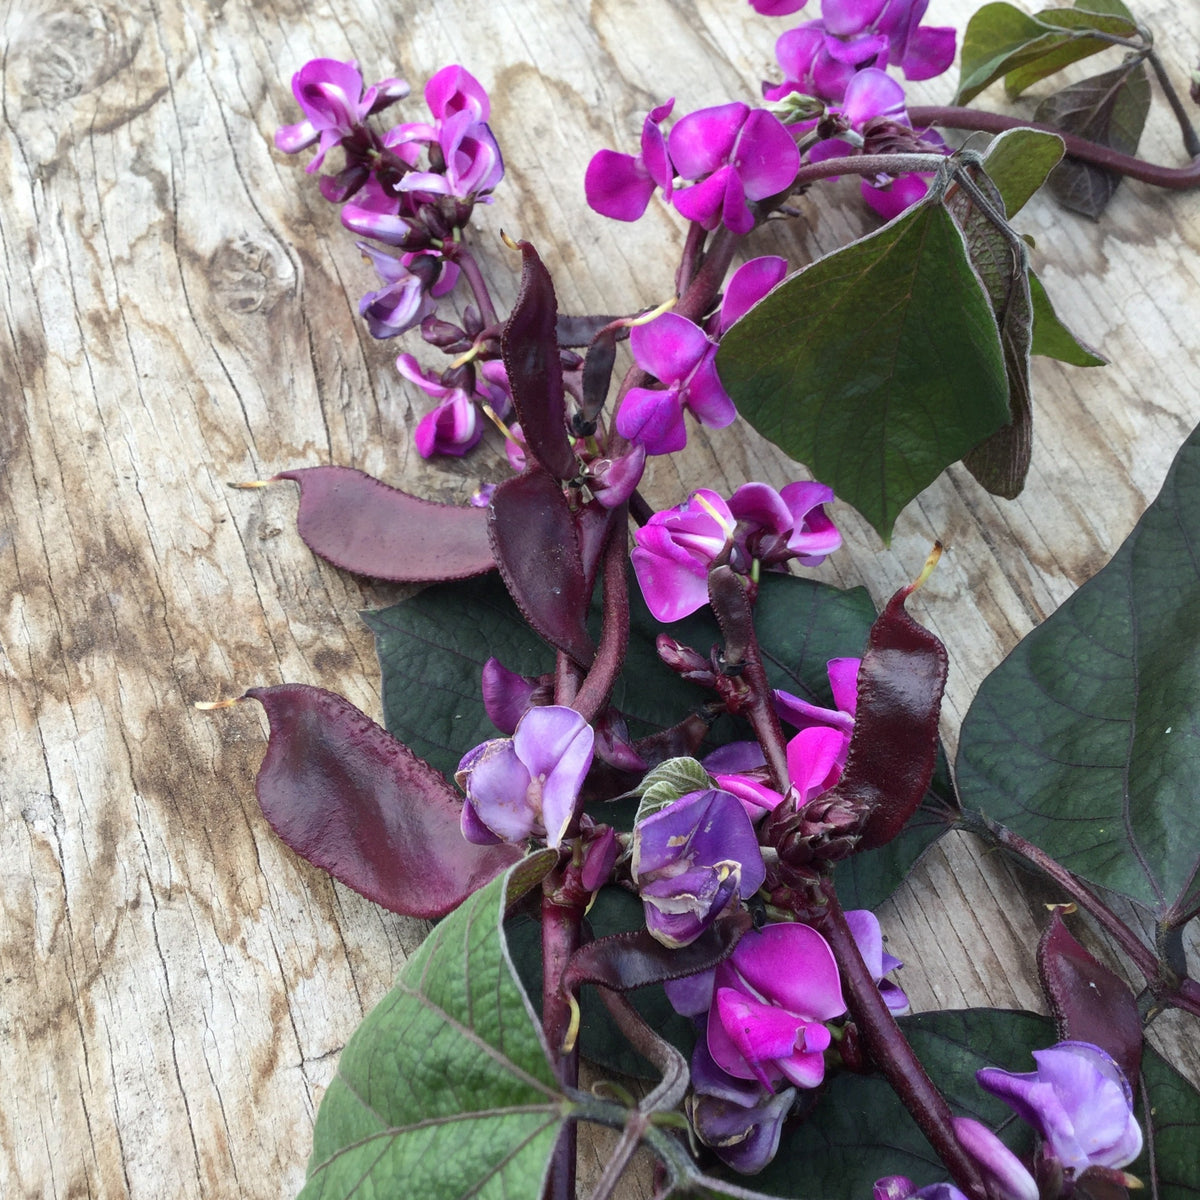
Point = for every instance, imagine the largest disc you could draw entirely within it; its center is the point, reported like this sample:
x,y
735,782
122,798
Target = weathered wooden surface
x,y
179,311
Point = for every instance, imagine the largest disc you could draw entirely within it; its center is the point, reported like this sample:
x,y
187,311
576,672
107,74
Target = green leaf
x,y
446,1089
1112,7
1175,1121
1108,109
860,1130
1086,739
1069,47
877,366
1018,161
667,782
1000,40
1051,337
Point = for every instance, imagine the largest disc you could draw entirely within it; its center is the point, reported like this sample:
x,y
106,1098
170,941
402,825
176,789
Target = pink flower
x,y
620,185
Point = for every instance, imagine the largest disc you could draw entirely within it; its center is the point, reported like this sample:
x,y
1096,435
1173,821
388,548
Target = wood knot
x,y
249,274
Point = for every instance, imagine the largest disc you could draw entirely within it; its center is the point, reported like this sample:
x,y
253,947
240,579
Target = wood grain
x,y
180,312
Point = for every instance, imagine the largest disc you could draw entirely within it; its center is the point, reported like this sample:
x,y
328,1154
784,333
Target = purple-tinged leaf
x,y
536,546
530,349
362,525
347,796
1085,740
1088,1001
624,961
893,750
1108,109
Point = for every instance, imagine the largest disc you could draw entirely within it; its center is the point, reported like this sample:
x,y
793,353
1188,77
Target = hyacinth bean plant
x,y
655,779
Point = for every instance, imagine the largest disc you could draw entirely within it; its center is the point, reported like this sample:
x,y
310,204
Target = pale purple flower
x,y
507,696
770,1001
739,1119
674,551
690,860
620,185
676,351
411,284
737,154
868,936
1004,1175
527,785
1078,1100
454,427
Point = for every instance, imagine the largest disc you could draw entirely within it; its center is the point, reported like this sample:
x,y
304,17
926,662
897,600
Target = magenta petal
x,y
793,966
860,52
703,202
777,8
796,51
872,93
814,756
830,77
617,185
454,89
654,147
759,1032
701,141
653,419
291,138
669,347
705,397
735,212
893,198
804,1069
929,52
767,158
843,678
748,285
868,937
761,505
670,591
845,18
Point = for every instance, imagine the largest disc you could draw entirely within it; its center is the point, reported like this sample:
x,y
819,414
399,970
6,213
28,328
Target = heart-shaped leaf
x,y
536,546
446,1090
1051,337
1086,739
877,366
348,797
360,524
1018,161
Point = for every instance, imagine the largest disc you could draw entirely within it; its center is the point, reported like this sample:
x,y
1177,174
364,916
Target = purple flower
x,y
739,1119
737,154
770,1000
527,785
330,94
775,527
411,284
676,351
690,860
620,185
1078,1100
864,926
1004,1175
454,426
507,696
900,1187
674,551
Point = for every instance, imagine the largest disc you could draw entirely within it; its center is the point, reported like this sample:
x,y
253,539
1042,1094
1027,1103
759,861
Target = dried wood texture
x,y
179,312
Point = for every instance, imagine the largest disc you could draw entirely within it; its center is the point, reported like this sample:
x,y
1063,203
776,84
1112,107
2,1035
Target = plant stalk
x,y
596,688
1175,178
890,1051
479,288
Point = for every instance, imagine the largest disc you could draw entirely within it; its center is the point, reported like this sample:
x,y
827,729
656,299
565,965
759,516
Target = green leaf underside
x,y
1000,40
877,366
432,649
445,1090
860,1131
1018,161
1086,739
1051,338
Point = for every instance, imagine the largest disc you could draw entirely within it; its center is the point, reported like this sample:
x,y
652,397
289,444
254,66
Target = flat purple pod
x,y
1089,1002
536,546
362,525
348,797
893,749
529,346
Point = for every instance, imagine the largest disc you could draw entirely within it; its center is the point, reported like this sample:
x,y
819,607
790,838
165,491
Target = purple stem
x,y
1164,984
727,594
891,1052
1176,178
470,268
614,632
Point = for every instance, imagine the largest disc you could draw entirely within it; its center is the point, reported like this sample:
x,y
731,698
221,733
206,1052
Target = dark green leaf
x,y
1051,337
1108,109
860,1131
446,1089
1018,161
1086,739
878,366
995,35
1175,1121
